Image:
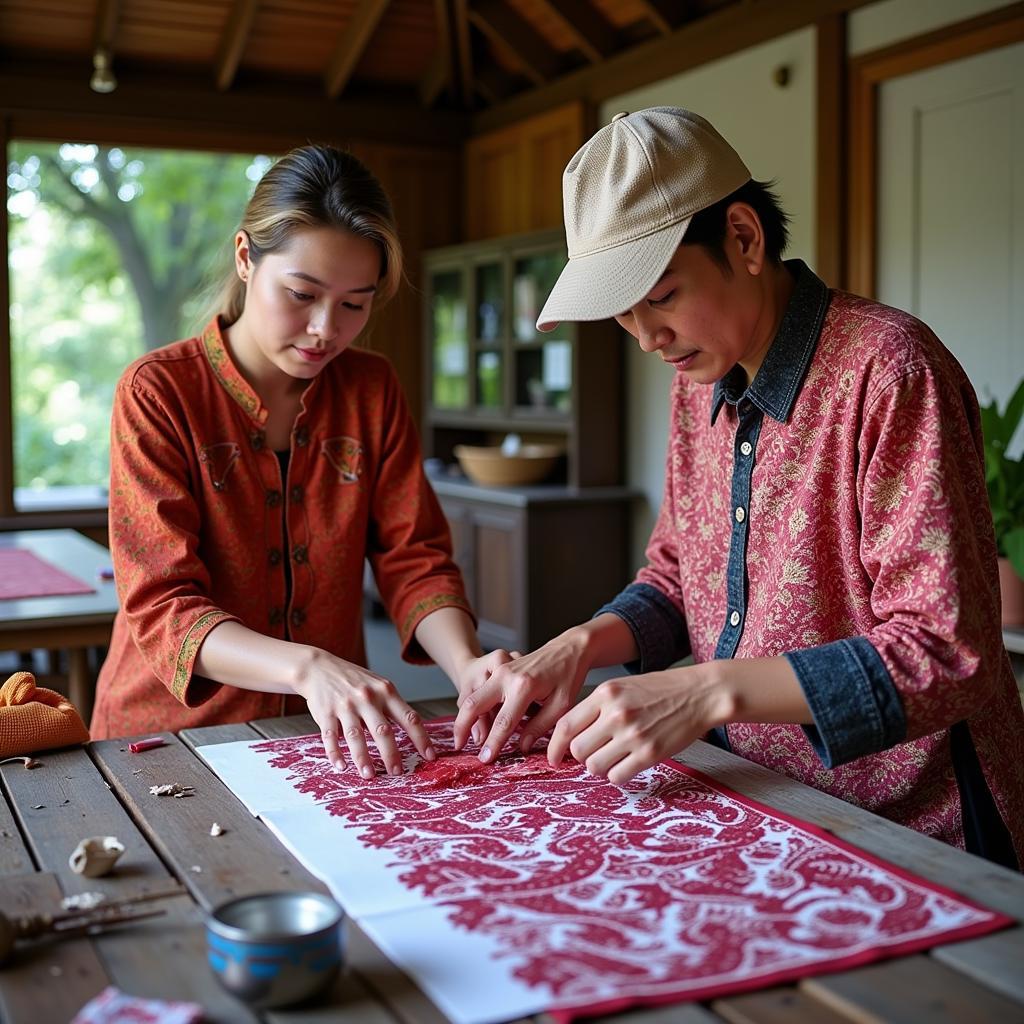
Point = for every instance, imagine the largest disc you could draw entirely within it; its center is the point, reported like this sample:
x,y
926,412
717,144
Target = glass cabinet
x,y
492,372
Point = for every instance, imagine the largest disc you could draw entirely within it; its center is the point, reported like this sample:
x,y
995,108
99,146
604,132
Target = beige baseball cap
x,y
628,196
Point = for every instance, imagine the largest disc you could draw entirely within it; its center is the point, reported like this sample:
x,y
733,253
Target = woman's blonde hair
x,y
311,187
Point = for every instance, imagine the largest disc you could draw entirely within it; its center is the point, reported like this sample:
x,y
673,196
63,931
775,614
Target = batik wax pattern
x,y
597,896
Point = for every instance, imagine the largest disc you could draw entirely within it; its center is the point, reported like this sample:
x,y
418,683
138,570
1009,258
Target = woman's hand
x,y
470,676
551,676
345,700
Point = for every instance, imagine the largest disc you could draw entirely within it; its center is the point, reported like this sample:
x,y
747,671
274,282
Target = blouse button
x,y
273,498
256,440
295,494
299,554
274,556
276,616
298,616
302,437
734,619
746,448
740,514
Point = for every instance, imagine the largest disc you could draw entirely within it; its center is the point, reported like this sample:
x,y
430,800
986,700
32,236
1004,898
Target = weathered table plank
x,y
912,989
215,868
65,801
996,961
777,1006
15,858
165,958
45,981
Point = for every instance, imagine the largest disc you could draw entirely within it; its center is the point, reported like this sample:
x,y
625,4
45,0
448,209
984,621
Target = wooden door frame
x,y
865,74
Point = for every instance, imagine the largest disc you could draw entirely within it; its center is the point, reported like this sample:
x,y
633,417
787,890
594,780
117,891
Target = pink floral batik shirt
x,y
835,512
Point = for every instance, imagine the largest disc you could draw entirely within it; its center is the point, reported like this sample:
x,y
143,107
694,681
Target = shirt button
x,y
746,448
299,554
740,514
273,498
276,616
734,619
295,495
302,437
298,616
256,440
274,556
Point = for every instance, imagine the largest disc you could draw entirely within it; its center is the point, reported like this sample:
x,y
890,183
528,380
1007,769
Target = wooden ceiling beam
x,y
232,42
105,25
440,73
698,42
355,37
495,84
595,37
662,14
463,50
50,98
506,27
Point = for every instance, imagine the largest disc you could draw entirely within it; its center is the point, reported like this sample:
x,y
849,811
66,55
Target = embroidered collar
x,y
780,377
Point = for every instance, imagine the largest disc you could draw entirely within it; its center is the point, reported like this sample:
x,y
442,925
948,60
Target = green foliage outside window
x,y
111,250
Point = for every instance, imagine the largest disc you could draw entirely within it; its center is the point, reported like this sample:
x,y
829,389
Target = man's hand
x,y
627,725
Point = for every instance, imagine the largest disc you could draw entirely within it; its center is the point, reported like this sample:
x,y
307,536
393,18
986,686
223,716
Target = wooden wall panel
x,y
514,174
424,188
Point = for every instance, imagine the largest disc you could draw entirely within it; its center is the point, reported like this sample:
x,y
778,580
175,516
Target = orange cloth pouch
x,y
33,718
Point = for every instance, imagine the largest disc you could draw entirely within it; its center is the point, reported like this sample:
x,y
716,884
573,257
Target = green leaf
x,y
1013,543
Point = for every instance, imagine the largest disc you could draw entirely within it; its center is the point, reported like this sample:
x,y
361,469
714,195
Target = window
x,y
110,252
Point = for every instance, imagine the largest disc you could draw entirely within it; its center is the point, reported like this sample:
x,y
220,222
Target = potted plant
x,y
1004,477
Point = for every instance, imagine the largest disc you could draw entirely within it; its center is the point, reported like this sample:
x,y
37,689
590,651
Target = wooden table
x,y
104,789
70,622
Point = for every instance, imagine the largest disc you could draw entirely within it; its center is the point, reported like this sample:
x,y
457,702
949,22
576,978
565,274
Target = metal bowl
x,y
276,948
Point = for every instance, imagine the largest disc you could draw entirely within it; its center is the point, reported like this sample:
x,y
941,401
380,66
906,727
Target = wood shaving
x,y
196,868
216,829
82,901
38,807
171,789
28,762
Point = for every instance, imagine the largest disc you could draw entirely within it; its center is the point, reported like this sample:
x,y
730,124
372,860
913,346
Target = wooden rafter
x,y
355,37
105,25
441,72
495,84
232,42
506,27
463,49
595,37
664,15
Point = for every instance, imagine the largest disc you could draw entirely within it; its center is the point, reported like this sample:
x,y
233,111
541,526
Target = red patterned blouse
x,y
198,520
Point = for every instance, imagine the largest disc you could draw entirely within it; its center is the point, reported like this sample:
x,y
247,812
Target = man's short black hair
x,y
708,227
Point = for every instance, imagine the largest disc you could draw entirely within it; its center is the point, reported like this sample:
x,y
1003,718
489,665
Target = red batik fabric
x,y
589,896
25,574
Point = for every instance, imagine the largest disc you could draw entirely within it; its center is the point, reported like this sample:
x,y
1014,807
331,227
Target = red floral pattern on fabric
x,y
25,574
669,888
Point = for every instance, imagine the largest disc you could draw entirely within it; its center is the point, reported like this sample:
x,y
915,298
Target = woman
x,y
255,467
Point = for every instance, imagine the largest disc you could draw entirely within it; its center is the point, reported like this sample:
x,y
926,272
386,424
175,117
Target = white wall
x,y
773,130
891,21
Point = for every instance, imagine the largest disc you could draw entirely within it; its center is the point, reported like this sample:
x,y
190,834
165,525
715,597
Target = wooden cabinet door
x,y
498,542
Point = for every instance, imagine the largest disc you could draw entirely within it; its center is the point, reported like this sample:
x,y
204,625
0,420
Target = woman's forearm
x,y
448,636
239,656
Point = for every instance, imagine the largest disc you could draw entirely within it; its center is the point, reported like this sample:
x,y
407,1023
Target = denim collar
x,y
778,381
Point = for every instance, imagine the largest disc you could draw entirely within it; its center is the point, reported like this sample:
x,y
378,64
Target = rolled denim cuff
x,y
855,705
656,624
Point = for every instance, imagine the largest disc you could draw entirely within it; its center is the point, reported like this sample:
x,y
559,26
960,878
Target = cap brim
x,y
604,283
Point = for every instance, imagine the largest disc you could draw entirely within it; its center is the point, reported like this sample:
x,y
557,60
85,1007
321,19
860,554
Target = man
x,y
824,548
